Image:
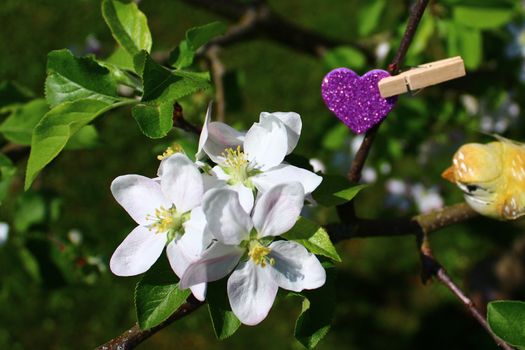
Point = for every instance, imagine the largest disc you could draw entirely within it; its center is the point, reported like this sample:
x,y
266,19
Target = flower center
x,y
259,254
168,220
238,167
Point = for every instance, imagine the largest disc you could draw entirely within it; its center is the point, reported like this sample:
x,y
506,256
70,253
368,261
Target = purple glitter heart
x,y
356,100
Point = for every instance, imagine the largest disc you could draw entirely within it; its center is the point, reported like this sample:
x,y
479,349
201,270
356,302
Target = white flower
x,y
4,233
168,212
242,244
254,160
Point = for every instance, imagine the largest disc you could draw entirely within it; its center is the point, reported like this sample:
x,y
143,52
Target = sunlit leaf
x,y
128,25
18,127
158,295
313,237
335,190
73,78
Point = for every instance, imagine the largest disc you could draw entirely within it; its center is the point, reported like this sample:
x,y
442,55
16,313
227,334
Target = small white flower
x,y
243,244
4,233
168,212
254,160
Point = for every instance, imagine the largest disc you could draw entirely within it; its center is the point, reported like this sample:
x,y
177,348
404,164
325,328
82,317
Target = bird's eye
x,y
472,188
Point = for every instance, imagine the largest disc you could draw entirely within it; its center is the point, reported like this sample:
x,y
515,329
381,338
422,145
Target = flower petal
x,y
181,182
139,196
138,252
293,124
215,263
295,267
266,143
219,173
220,137
251,291
179,262
226,218
277,209
245,196
199,291
204,133
286,173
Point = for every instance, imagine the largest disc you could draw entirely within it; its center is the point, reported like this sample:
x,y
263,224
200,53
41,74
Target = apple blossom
x,y
243,246
254,160
167,211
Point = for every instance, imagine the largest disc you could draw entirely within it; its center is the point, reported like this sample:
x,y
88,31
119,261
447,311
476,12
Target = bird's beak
x,y
448,174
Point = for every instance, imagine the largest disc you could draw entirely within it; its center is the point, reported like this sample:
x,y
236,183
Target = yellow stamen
x,y
165,220
175,148
258,253
235,158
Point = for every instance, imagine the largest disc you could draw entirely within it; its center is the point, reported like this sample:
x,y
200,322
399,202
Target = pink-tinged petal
x,y
295,267
139,196
179,262
138,252
221,137
204,133
284,173
251,291
181,182
245,197
215,263
226,218
293,124
199,291
277,209
266,143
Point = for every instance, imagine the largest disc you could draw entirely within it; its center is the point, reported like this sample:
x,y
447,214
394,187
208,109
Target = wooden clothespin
x,y
424,75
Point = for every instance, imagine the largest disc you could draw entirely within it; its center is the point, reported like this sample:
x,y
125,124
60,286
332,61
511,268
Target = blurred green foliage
x,y
55,288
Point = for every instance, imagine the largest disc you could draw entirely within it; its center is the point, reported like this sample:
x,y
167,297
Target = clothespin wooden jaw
x,y
424,75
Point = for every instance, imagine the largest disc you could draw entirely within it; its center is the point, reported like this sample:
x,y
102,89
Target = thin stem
x,y
181,123
134,336
354,174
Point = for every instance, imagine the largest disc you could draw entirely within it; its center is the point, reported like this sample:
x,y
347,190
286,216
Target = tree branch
x,y
354,174
134,336
267,23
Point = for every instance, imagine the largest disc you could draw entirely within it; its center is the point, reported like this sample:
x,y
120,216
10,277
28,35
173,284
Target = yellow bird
x,y
492,176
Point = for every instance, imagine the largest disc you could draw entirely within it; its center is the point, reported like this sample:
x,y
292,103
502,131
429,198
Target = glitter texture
x,y
356,100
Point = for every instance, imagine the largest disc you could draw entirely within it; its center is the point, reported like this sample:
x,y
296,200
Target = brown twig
x,y
15,152
217,72
267,23
134,336
181,123
354,174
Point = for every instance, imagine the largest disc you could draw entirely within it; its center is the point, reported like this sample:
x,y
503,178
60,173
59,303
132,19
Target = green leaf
x,y
196,37
506,318
317,312
162,88
121,58
129,26
334,190
344,56
471,47
18,127
313,237
369,16
224,321
158,295
73,78
31,210
57,127
480,17
7,172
